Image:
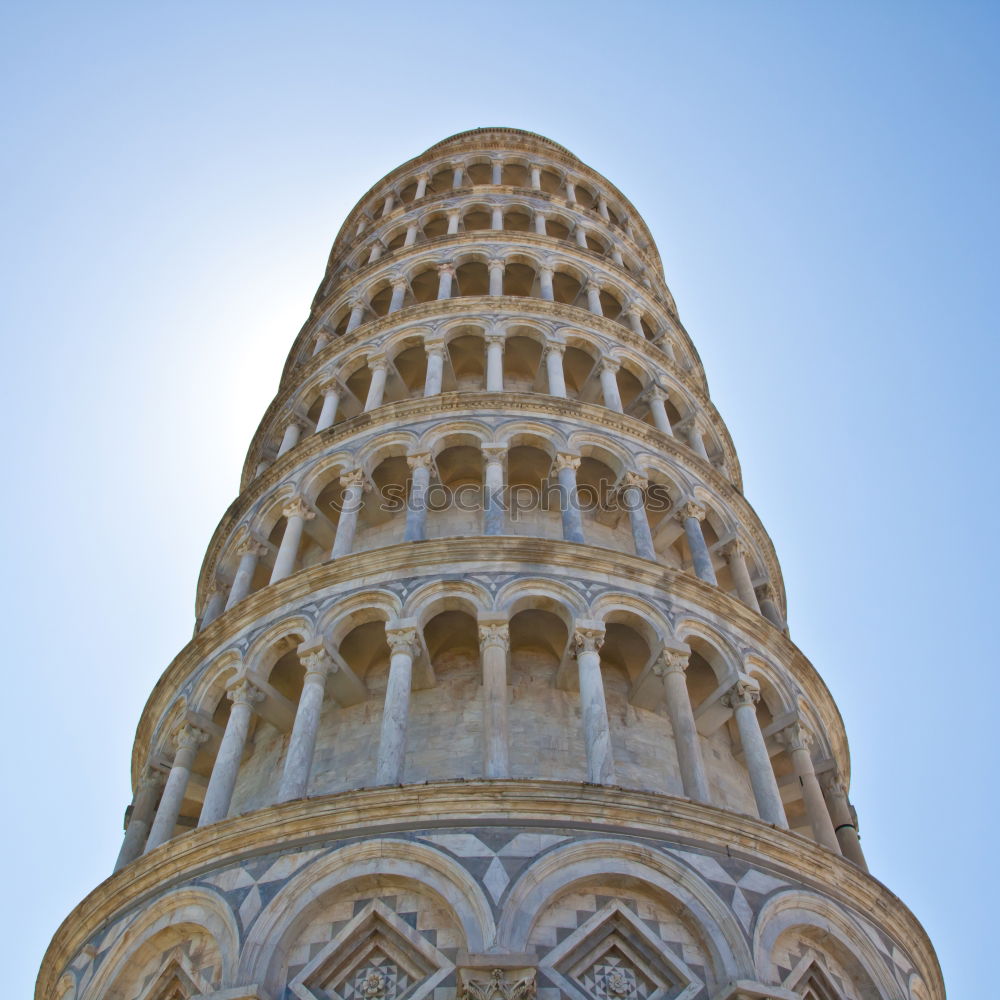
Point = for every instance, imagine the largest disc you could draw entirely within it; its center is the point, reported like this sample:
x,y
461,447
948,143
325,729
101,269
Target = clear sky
x,y
821,181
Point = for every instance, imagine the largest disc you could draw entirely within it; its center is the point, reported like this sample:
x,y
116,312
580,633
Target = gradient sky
x,y
821,181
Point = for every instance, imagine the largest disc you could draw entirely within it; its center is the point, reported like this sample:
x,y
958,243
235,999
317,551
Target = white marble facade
x,y
491,694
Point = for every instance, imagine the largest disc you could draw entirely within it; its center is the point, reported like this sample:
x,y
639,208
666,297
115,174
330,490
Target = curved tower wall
x,y
491,692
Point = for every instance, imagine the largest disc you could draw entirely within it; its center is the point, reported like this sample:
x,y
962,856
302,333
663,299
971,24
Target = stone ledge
x,y
382,812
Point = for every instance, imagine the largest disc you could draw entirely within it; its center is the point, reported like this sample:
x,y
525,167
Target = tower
x,y
490,694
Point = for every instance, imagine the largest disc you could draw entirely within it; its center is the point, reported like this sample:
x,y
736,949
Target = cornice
x,y
385,812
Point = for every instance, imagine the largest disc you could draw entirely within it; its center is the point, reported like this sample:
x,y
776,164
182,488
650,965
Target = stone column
x,y
634,316
633,488
497,269
554,369
572,521
742,698
536,176
768,598
580,234
390,200
362,225
616,256
398,294
453,220
609,384
296,514
456,177
694,436
593,291
322,339
353,484
416,507
539,222
215,606
187,739
493,489
331,400
570,192
445,274
357,314
691,515
496,218
670,668
250,550
316,659
656,399
376,252
376,388
404,645
411,235
587,641
143,810
434,377
797,740
602,208
545,289
219,795
495,343
843,822
736,556
293,431
494,641
496,172
422,181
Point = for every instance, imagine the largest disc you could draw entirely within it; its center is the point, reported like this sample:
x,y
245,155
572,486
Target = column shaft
x,y
327,416
188,740
416,507
493,484
434,378
635,504
343,540
765,788
572,521
593,708
219,795
245,573
376,388
302,743
493,644
797,741
701,559
494,362
686,738
143,810
609,387
395,713
843,821
736,558
554,370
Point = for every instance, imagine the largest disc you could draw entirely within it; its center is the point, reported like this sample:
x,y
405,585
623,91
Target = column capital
x,y
548,269
297,507
447,268
592,281
316,658
330,383
494,453
609,365
832,782
403,639
671,661
654,391
796,737
768,591
633,479
735,548
743,692
420,460
377,362
554,347
587,637
496,263
494,634
496,337
152,778
563,460
398,280
251,546
189,737
245,692
352,477
691,509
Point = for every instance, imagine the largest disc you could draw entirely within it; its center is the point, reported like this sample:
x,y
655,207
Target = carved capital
x,y
494,454
610,365
398,281
352,477
405,639
245,692
496,338
189,737
555,348
564,461
316,659
377,362
251,546
833,784
632,480
735,549
421,460
496,264
448,268
796,737
743,692
494,634
498,987
297,507
587,639
671,661
152,778
691,509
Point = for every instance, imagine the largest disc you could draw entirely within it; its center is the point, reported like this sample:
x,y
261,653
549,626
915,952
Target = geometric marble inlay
x,y
612,956
376,956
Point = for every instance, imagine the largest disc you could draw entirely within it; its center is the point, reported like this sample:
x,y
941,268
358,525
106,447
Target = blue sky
x,y
821,181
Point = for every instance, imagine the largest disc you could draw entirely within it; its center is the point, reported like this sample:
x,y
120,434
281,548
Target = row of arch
x,y
362,877
442,663
533,216
462,477
475,356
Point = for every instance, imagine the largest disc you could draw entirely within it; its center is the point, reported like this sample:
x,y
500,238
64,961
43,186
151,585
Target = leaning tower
x,y
491,694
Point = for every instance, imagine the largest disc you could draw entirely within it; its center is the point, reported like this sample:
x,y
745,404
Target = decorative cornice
x,y
566,805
